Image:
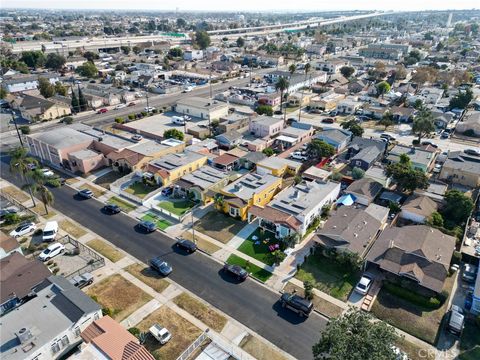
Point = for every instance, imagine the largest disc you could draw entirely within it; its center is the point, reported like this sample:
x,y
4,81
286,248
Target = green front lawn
x,y
124,205
328,275
473,354
140,189
258,249
161,223
470,341
177,207
255,271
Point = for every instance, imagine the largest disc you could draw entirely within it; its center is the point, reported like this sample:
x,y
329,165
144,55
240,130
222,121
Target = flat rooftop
x,y
173,161
205,177
246,186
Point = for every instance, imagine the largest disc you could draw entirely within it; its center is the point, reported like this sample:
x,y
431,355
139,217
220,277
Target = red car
x,y
131,104
102,111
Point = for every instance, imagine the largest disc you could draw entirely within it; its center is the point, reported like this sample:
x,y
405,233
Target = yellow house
x,y
249,190
172,167
278,166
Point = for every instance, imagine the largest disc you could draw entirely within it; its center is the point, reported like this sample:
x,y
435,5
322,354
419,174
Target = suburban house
x,y
262,126
249,190
270,99
363,153
190,55
385,51
418,209
325,102
364,190
229,139
27,82
402,114
172,167
297,81
338,138
331,66
430,95
314,173
19,276
201,108
278,166
295,208
378,174
292,135
471,122
226,162
350,229
106,339
234,121
37,108
251,159
8,245
417,252
203,183
461,168
441,119
56,317
420,159
348,106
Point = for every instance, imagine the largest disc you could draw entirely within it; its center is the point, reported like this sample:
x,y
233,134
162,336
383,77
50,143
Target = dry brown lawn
x,y
119,295
148,276
106,250
201,311
97,192
71,228
413,350
202,243
260,350
39,209
71,181
219,226
15,193
321,305
183,333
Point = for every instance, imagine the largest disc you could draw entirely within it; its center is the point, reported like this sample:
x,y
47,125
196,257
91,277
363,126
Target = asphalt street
x,y
250,303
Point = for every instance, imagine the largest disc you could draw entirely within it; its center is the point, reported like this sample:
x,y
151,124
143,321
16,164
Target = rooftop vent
x,y
24,335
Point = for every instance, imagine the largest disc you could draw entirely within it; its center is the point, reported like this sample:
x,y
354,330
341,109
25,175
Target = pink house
x,y
263,126
273,99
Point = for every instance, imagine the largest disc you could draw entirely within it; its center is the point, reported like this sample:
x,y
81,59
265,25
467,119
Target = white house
x,y
190,55
26,82
418,209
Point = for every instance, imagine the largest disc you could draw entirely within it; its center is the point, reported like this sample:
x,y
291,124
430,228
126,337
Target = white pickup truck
x,y
160,333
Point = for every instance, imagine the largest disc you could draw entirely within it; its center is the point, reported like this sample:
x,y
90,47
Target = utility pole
x,y
16,128
193,229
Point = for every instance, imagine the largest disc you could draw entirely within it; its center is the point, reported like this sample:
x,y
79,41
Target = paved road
x,y
250,303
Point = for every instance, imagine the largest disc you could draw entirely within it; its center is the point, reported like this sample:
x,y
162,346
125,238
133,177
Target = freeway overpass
x,y
97,43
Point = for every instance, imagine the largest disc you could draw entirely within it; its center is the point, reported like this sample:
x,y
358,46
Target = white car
x,y
23,229
160,333
437,168
51,251
297,155
364,284
120,106
47,172
149,108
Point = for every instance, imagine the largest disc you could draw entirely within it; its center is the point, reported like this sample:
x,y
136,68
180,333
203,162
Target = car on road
x,y
147,226
85,193
102,111
82,280
149,108
296,303
437,168
469,273
167,191
137,137
456,320
364,284
161,334
131,104
236,271
23,229
120,106
112,209
426,143
51,251
47,172
474,152
187,245
328,120
161,266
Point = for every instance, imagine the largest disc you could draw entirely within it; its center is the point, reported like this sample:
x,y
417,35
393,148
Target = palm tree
x,y
39,188
21,163
282,85
307,69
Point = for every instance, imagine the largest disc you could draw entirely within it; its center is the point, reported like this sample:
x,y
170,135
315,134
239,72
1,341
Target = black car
x,y
187,245
112,209
298,304
161,266
147,226
236,271
85,193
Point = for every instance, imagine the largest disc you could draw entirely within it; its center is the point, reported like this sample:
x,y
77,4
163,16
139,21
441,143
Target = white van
x,y
50,231
178,120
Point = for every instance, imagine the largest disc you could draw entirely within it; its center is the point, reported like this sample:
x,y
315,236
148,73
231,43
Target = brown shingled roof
x,y
7,242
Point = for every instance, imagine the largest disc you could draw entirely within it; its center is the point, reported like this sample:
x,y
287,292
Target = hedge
x,y
417,299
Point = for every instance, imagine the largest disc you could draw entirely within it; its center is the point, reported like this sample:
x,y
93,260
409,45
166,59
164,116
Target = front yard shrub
x,y
414,298
119,120
131,117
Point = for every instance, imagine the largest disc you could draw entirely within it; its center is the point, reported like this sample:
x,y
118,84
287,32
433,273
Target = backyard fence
x,y
96,262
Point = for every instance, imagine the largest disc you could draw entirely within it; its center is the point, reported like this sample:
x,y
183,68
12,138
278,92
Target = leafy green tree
x,y
291,240
264,110
406,176
291,69
383,87
277,256
90,56
21,163
175,52
282,85
354,127
55,61
268,151
60,89
319,149
181,23
25,129
202,39
39,188
423,123
357,173
87,69
457,208
33,59
125,49
387,120
82,101
75,104
436,219
347,71
462,99
308,287
240,42
67,120
46,88
173,134
355,336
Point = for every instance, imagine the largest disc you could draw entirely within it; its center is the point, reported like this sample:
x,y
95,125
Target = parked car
x,y
102,111
137,137
298,304
426,143
85,193
161,266
187,245
456,320
149,108
120,106
444,135
47,172
131,104
51,251
147,226
364,284
437,168
328,121
474,152
297,155
112,209
50,231
23,229
83,280
388,137
469,273
161,334
167,191
236,271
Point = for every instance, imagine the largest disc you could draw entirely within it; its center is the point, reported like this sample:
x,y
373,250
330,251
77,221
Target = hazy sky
x,y
247,4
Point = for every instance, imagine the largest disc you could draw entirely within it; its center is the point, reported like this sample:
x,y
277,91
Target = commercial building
x,y
201,108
